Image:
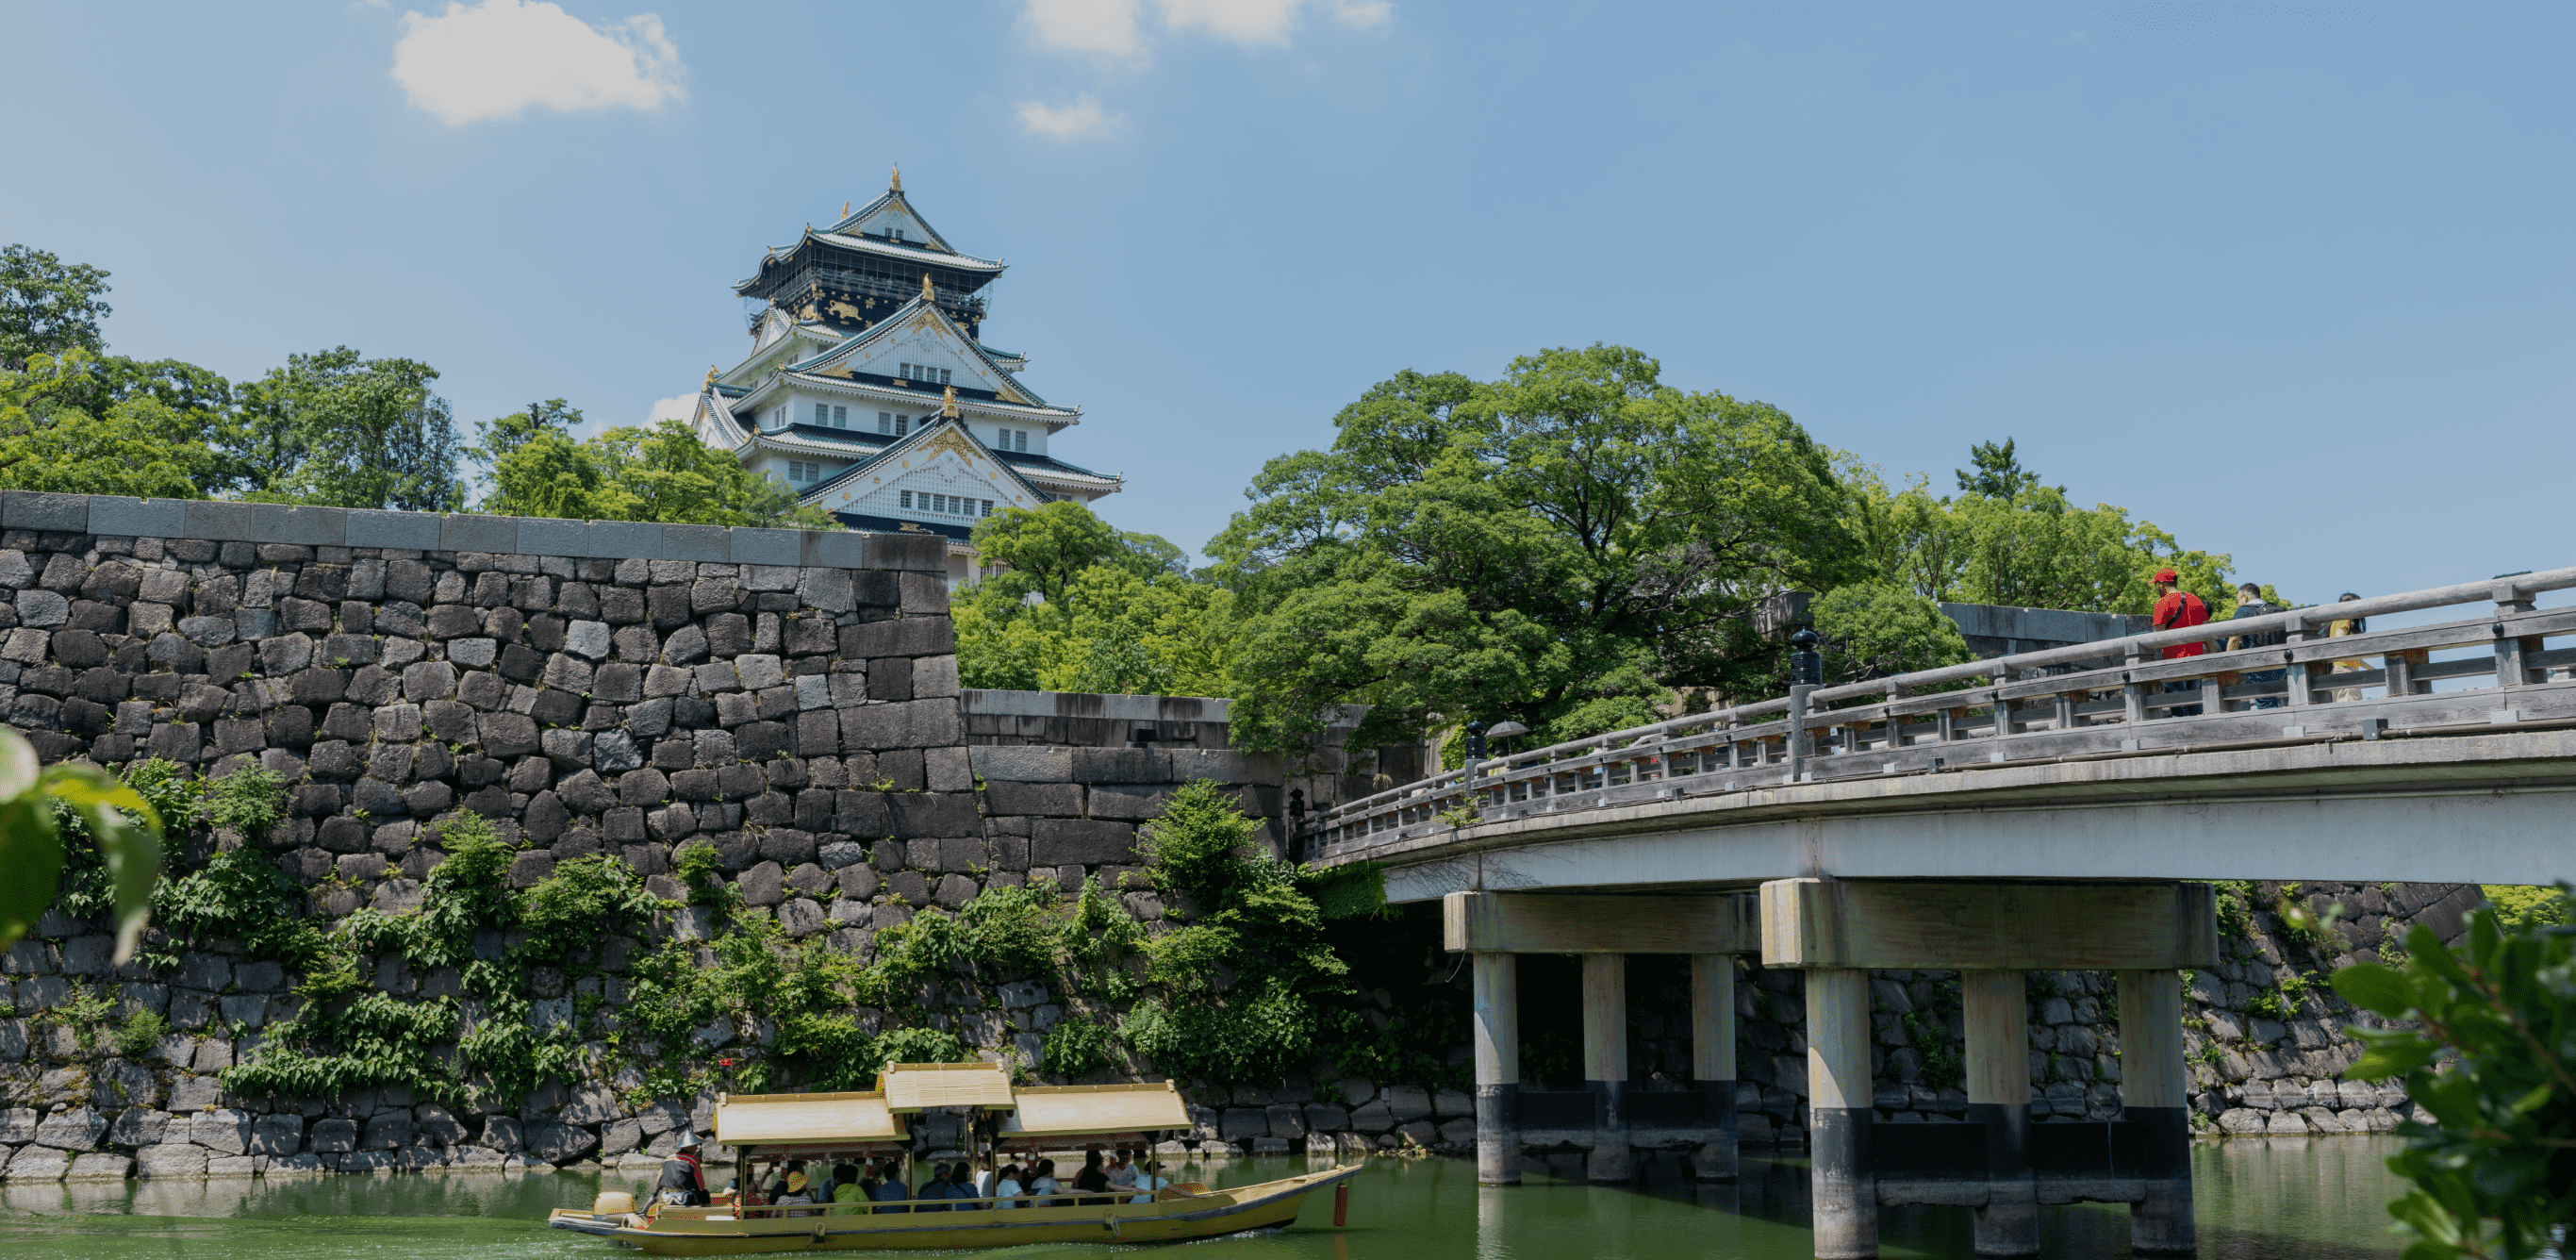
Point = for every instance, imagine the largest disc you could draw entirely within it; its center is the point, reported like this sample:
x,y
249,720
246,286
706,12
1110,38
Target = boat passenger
x,y
797,1193
846,1187
1148,1183
961,1186
936,1188
1007,1188
1044,1184
1122,1173
1093,1179
892,1191
684,1177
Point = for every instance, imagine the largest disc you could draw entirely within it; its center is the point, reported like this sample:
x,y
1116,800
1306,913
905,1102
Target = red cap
x,y
2169,576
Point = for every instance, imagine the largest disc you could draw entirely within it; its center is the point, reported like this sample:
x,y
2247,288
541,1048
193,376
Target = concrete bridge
x,y
2040,811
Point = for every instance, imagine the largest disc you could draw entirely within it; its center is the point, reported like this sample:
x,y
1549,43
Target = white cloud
x,y
1117,27
1098,26
675,407
496,59
1245,22
1079,119
1365,15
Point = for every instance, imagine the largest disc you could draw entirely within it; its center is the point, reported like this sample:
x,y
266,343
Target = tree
x,y
335,429
1094,609
1875,630
79,424
48,306
1999,472
2487,1048
2033,549
1043,548
1559,546
662,473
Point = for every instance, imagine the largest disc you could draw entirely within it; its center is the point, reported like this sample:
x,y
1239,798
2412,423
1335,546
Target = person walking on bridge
x,y
2177,607
2250,603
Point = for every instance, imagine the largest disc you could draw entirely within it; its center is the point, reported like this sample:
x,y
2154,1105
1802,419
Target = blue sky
x,y
2290,280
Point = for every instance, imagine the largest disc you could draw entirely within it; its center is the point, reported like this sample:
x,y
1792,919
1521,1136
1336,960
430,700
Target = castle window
x,y
943,376
885,422
902,425
988,507
823,414
840,417
907,500
1020,439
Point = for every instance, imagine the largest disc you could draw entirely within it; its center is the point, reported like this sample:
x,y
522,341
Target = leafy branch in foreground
x,y
2491,1056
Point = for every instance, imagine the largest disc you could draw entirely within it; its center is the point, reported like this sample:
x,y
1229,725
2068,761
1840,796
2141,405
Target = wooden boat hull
x,y
1268,1205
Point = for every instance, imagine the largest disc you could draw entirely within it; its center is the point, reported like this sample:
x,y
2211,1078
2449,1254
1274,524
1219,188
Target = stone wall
x,y
789,698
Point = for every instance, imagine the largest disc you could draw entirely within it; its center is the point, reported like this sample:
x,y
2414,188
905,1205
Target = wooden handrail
x,y
2087,709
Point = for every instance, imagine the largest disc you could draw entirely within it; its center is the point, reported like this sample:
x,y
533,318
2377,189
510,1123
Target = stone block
x,y
933,815
1080,842
401,531
225,1129
52,513
1119,765
1022,764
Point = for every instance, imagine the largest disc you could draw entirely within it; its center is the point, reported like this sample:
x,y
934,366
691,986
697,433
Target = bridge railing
x,y
2311,687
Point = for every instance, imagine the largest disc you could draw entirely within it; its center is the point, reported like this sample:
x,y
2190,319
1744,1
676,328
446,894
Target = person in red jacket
x,y
2176,607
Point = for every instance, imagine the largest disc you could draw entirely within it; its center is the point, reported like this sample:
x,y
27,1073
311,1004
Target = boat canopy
x,y
911,1087
1059,1114
809,1125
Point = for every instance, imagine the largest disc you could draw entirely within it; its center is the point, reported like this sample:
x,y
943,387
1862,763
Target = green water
x,y
2274,1199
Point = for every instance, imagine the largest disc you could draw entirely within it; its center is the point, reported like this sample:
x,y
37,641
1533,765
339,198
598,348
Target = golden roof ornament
x,y
898,178
948,403
845,209
711,374
927,293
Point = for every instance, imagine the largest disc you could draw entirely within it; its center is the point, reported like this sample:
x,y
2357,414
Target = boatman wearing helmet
x,y
684,1178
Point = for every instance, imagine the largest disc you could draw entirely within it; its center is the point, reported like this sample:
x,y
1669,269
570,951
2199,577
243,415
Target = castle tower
x,y
869,391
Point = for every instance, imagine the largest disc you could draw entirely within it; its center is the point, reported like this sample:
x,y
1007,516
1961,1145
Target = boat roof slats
x,y
921,1086
1086,1110
766,1119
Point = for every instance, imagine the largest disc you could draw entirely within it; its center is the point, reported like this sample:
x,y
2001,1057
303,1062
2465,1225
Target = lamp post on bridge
x,y
1806,673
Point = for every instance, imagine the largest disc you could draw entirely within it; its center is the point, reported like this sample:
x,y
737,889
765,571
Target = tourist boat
x,y
765,1131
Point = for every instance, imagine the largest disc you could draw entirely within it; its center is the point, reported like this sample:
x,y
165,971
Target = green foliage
x,y
48,306
2028,547
1874,629
919,1045
350,1037
2522,907
141,1031
123,832
657,473
1558,546
1078,1046
249,800
1080,606
701,868
81,1011
61,430
2235,906
2489,1057
1999,472
1252,986
336,429
2270,1004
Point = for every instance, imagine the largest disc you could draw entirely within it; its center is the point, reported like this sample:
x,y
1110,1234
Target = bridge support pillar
x,y
2155,1088
1839,1094
1498,1069
1713,1062
1605,1064
1996,1007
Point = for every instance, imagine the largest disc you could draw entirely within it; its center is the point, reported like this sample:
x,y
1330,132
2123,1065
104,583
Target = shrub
x,y
2489,1058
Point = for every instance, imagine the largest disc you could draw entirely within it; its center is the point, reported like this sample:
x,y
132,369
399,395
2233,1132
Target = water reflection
x,y
2274,1199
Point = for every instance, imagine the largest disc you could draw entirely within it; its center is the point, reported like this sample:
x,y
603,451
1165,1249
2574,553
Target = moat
x,y
2257,1199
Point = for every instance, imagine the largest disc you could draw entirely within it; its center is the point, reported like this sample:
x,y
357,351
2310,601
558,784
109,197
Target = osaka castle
x,y
870,391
